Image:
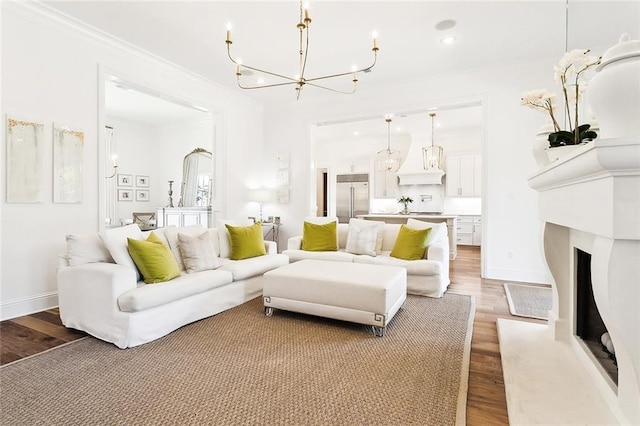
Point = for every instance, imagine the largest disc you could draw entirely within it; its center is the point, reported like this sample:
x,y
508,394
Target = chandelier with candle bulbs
x,y
300,80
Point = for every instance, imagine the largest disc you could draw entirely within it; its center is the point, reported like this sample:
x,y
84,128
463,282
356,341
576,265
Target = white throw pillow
x,y
436,228
86,248
380,225
171,232
115,240
198,252
223,234
362,237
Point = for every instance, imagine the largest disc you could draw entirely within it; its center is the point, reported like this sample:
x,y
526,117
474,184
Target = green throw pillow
x,y
154,259
320,237
411,243
246,241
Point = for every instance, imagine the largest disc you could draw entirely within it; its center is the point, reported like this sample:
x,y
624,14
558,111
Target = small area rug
x,y
530,301
240,367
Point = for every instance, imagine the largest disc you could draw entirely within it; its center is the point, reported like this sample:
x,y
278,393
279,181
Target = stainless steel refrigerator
x,y
352,196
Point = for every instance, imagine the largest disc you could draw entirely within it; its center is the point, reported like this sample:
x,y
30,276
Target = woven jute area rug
x,y
530,301
240,367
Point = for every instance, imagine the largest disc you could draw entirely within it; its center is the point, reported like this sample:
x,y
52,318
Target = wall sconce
x,y
114,160
261,196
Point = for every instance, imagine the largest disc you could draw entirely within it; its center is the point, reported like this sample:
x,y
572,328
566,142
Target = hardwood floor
x,y
486,403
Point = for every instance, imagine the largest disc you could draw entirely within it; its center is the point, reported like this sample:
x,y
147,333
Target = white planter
x,y
558,152
614,92
540,146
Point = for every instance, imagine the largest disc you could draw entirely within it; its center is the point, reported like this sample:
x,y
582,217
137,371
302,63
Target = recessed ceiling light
x,y
398,129
448,40
356,133
261,81
445,25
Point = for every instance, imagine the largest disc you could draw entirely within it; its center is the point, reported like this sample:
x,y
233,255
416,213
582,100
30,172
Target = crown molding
x,y
48,15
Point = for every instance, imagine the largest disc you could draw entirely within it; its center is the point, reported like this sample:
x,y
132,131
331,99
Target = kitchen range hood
x,y
412,171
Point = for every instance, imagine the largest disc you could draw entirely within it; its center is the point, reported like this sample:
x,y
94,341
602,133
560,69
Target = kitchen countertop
x,y
414,215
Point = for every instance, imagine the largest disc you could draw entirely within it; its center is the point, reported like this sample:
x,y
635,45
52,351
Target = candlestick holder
x,y
170,194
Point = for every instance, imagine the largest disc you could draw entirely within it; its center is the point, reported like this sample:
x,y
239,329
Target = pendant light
x,y
433,155
388,160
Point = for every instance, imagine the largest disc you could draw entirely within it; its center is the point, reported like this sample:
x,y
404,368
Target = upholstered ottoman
x,y
360,293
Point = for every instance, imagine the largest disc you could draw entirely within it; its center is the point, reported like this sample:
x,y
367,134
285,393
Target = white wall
x,y
50,74
511,237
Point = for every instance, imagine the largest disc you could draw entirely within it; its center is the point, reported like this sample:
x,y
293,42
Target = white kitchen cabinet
x,y
469,230
463,178
385,185
477,231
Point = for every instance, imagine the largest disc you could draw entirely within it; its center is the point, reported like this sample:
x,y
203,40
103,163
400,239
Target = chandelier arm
x,y
331,89
263,86
291,79
346,73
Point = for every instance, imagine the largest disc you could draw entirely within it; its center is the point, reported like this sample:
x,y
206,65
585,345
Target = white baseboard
x,y
518,275
28,305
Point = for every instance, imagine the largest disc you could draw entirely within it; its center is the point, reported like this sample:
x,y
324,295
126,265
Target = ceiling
x,y
192,34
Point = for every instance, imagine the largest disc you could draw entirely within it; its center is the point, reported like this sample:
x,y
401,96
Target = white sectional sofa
x,y
426,277
107,300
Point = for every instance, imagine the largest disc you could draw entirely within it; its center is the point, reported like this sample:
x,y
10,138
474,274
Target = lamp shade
x,y
260,195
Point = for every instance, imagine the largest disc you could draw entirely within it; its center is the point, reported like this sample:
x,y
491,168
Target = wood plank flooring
x,y
486,403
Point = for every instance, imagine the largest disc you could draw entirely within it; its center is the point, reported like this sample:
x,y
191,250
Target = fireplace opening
x,y
589,325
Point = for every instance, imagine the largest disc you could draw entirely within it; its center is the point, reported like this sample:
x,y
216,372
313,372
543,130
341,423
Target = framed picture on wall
x,y
125,180
142,195
125,195
142,181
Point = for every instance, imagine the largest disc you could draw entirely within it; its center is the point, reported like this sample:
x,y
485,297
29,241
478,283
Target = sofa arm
x,y
88,298
295,243
271,247
439,251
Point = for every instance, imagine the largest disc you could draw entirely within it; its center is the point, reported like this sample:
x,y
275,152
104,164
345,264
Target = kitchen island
x,y
451,221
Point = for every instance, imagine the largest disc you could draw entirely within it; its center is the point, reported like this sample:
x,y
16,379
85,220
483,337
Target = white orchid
x,y
543,100
568,73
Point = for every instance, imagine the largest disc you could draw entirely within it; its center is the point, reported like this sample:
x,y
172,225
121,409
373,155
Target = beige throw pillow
x,y
171,233
198,252
362,237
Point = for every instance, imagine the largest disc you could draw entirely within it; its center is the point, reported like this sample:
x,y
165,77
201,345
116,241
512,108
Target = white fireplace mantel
x,y
590,200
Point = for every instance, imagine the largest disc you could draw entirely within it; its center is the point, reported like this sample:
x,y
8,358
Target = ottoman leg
x,y
377,330
268,311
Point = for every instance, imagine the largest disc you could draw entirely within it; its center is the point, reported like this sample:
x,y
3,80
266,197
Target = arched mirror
x,y
197,179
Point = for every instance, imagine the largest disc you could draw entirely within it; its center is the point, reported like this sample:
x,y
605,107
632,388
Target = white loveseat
x,y
425,277
107,300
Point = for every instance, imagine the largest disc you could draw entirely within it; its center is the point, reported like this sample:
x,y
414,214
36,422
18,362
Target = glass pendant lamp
x,y
432,157
388,160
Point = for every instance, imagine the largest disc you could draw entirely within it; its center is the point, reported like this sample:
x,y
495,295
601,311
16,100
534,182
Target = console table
x,y
271,231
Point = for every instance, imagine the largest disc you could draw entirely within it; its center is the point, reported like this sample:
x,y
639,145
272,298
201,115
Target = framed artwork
x,y
282,177
125,195
25,161
142,195
68,149
142,181
125,180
